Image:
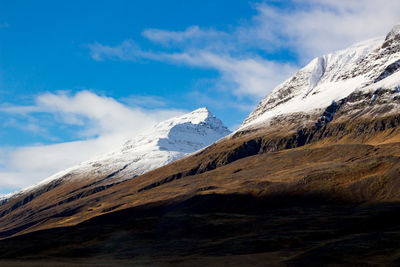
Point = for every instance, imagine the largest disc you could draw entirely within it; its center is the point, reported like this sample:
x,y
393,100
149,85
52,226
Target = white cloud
x,y
102,115
25,166
104,125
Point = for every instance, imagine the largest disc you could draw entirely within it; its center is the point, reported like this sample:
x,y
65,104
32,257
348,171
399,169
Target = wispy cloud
x,y
307,29
192,34
127,50
315,27
103,124
30,124
247,76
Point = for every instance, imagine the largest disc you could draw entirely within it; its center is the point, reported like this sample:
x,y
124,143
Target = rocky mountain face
x,y
362,79
311,177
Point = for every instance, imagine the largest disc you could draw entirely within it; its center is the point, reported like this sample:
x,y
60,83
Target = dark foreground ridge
x,y
280,229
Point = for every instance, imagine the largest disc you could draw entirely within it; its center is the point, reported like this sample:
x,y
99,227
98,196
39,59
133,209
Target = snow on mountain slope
x,y
365,67
167,141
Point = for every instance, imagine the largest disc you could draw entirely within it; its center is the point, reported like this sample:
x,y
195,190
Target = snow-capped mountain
x,y
365,72
165,142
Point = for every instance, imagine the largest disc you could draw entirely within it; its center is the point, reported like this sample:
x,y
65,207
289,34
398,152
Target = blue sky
x,y
79,77
44,48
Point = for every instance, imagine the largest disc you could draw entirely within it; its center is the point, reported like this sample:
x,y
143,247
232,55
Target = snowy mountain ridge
x,y
165,142
364,67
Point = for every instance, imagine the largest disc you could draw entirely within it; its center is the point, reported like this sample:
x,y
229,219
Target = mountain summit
x,y
366,72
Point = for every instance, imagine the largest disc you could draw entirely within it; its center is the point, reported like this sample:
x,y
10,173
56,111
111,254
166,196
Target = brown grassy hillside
x,y
281,197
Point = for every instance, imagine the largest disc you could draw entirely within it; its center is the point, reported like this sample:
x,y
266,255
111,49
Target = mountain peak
x,y
200,115
166,142
199,127
392,37
201,110
395,30
366,67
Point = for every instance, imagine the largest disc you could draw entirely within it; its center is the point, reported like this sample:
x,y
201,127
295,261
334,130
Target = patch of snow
x,y
317,73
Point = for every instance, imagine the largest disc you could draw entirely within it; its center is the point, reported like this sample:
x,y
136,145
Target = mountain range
x,y
310,177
